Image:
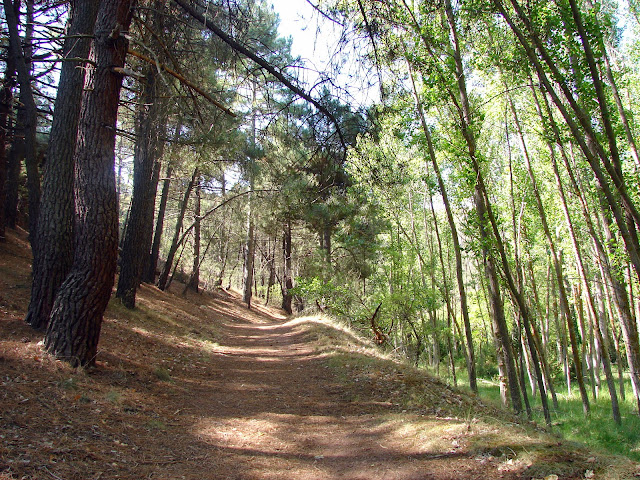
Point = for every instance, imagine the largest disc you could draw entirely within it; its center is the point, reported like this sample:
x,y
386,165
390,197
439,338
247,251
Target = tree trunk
x,y
152,265
471,361
22,59
535,346
194,280
581,126
164,275
483,214
135,248
53,257
287,278
76,318
557,263
6,105
249,257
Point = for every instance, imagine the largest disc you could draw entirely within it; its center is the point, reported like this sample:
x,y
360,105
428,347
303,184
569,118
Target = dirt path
x,y
199,387
272,408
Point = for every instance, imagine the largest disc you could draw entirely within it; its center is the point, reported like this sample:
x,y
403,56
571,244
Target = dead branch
x,y
381,338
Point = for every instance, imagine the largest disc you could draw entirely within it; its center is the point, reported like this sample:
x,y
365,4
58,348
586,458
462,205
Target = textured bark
x,y
500,329
28,108
137,238
164,275
76,317
53,256
483,212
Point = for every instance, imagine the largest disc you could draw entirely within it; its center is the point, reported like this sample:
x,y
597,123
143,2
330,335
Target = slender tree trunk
x,y
76,318
581,126
53,257
164,275
249,256
194,280
464,309
135,247
483,212
6,106
534,340
22,59
150,276
557,262
287,278
590,301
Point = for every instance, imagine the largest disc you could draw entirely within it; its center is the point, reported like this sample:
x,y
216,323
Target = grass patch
x,y
598,430
162,374
113,396
155,424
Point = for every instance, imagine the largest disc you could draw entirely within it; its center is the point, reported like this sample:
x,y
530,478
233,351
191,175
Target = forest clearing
x,y
200,387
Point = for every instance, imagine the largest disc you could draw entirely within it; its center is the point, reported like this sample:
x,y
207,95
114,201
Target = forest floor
x,y
200,387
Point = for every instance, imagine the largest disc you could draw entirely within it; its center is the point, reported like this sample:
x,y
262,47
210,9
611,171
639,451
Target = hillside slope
x,y
199,387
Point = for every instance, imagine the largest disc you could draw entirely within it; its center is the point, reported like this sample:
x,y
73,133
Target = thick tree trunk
x,y
22,59
53,256
76,318
500,329
136,244
484,215
164,275
14,166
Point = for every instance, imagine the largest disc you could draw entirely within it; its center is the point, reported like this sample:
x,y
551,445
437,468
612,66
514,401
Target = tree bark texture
x,y
137,238
53,256
76,318
249,256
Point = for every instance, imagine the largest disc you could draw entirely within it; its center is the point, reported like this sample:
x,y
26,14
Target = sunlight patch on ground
x,y
315,445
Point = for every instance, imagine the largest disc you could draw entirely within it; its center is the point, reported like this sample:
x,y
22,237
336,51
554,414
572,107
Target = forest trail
x,y
199,387
275,410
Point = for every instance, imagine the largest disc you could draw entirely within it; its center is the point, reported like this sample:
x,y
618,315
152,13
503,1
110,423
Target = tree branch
x,y
181,79
238,47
